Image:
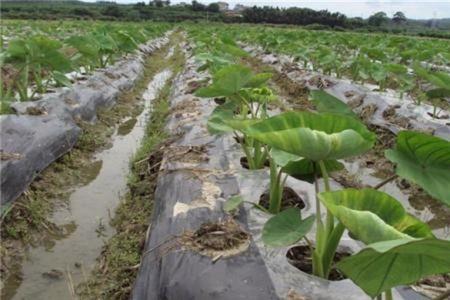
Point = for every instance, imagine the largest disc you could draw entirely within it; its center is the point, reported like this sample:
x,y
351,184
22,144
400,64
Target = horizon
x,y
351,8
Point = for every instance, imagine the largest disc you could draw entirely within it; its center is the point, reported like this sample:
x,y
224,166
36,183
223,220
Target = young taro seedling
x,y
441,86
247,98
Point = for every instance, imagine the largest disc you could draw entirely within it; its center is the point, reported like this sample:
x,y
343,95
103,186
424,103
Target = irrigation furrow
x,y
80,203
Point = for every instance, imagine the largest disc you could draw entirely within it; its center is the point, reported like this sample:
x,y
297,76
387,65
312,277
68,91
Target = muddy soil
x,y
216,237
300,257
289,199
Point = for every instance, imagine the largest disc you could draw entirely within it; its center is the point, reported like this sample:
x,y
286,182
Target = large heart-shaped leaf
x,y
61,79
212,60
226,82
384,265
286,228
217,120
424,160
438,93
373,216
86,45
233,50
439,79
231,79
314,136
223,120
325,102
282,158
301,168
258,80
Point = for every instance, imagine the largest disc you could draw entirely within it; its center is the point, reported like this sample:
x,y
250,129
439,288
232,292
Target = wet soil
x,y
195,85
391,116
188,154
434,287
118,264
217,236
126,127
300,257
289,199
88,201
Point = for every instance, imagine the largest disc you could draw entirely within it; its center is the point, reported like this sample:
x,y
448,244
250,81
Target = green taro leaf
x,y
286,228
230,80
424,160
439,79
301,168
233,50
61,79
213,61
314,136
17,49
223,120
233,203
258,80
384,265
373,216
397,68
325,102
282,158
125,42
86,45
226,82
304,169
217,120
438,93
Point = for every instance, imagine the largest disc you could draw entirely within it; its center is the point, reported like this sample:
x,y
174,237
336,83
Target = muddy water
x,y
51,271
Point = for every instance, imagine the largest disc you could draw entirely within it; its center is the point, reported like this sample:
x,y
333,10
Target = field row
x,y
38,55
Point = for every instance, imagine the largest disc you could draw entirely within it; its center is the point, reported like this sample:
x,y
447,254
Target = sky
x,y
425,9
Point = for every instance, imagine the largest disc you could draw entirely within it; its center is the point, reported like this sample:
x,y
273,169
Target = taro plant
x,y
284,163
393,236
400,249
38,60
440,89
247,98
318,138
423,160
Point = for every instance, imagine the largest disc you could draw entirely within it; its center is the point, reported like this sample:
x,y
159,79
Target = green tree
x,y
113,11
213,7
378,19
196,6
399,17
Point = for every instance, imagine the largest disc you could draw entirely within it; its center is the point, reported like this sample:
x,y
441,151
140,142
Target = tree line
x,y
307,16
164,10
